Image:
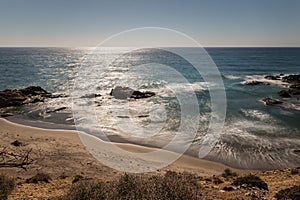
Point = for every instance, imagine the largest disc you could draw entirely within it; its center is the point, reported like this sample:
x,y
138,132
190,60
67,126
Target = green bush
x,y
251,181
292,193
6,186
170,186
39,177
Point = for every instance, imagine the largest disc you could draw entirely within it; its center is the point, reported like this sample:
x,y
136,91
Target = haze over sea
x,y
255,136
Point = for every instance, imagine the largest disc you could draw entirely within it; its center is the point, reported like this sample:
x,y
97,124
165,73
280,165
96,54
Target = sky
x,y
78,23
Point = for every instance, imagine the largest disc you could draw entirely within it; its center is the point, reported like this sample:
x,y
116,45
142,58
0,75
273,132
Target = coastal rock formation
x,y
284,93
18,97
255,83
271,102
126,92
272,77
293,79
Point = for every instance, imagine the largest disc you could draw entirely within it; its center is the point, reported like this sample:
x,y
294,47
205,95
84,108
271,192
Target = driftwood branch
x,y
15,158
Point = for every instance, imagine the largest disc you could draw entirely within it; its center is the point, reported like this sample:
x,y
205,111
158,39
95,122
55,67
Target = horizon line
x,y
54,46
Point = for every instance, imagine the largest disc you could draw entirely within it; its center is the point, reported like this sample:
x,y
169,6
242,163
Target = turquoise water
x,y
254,136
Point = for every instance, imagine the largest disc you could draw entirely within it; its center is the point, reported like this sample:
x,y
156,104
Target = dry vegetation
x,y
278,184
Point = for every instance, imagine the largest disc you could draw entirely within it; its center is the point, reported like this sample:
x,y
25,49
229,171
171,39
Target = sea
x,y
253,136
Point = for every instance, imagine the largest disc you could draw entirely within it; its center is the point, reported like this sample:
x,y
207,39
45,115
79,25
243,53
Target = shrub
x,y
251,181
292,193
294,171
6,186
77,178
171,186
86,190
217,180
228,173
39,177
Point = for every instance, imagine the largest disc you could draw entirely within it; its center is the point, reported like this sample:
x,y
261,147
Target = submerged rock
x,y
270,101
126,92
294,79
272,77
294,91
284,93
256,83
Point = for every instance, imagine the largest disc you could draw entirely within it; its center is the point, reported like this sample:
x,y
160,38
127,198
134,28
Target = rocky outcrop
x,y
18,97
284,93
272,77
126,92
271,102
256,83
293,79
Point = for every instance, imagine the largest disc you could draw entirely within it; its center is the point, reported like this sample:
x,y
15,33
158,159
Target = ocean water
x,y
254,136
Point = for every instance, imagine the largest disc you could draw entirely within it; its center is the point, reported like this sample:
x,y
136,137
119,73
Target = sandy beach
x,y
60,152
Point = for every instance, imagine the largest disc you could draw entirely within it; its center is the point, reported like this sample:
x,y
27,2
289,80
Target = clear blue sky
x,y
211,22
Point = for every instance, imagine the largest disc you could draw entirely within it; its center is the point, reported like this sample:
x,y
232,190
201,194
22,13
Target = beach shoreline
x,y
61,152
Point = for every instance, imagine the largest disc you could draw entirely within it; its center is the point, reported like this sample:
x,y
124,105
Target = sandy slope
x,y
62,152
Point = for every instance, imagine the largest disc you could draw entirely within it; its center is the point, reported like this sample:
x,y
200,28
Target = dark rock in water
x,y
126,92
34,90
272,77
7,114
270,102
11,98
91,95
18,97
256,83
56,110
294,91
284,93
294,79
16,143
295,86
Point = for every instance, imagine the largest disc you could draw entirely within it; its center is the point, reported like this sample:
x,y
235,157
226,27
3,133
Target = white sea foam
x,y
261,78
233,77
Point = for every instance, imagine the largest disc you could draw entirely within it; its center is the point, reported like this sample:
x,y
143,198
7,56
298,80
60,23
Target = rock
x,y
126,92
255,83
34,90
56,110
294,91
11,98
16,143
297,151
295,86
294,79
272,77
7,114
18,97
284,93
141,116
229,188
91,95
270,101
217,180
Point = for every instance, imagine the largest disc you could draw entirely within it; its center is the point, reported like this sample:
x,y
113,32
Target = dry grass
x,y
251,181
6,186
170,186
289,193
